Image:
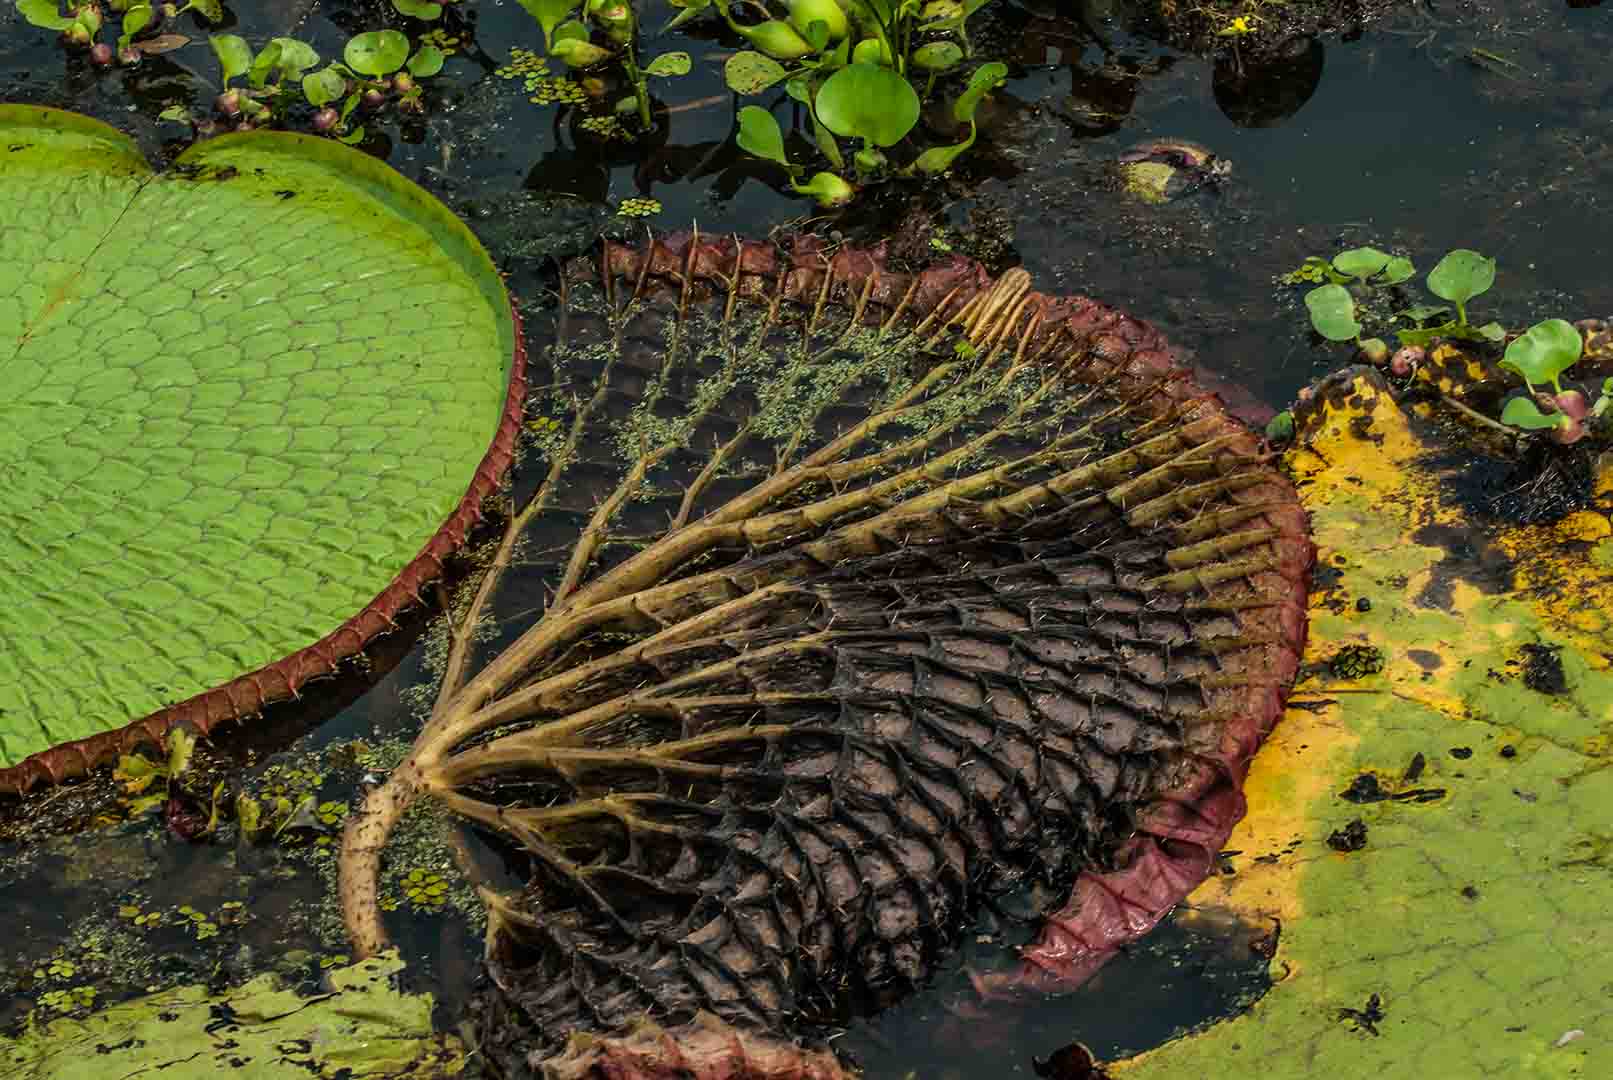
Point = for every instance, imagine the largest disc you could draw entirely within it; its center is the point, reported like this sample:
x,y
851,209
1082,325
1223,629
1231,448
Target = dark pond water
x,y
1410,134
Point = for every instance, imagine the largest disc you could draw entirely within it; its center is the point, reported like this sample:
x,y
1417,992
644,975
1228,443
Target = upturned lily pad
x,y
249,408
1432,837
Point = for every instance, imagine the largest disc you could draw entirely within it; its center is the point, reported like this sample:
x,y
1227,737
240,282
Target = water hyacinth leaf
x,y
1399,269
759,135
550,14
376,52
749,72
426,62
777,39
578,53
295,58
44,14
1423,312
868,102
424,10
669,64
1333,312
1460,276
268,513
1522,412
937,56
234,55
805,13
1360,262
323,87
986,78
1492,331
1543,352
211,10
135,19
829,189
264,64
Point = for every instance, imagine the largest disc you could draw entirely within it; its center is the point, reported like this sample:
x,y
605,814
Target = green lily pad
x,y
1461,930
249,403
361,1027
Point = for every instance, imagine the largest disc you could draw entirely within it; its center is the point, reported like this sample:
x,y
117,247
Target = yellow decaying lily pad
x,y
1469,936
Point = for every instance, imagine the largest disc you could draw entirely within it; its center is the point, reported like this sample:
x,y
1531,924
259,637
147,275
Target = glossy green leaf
x,y
424,10
376,52
759,135
550,14
296,56
938,56
323,87
135,19
829,189
44,14
266,63
868,102
1360,262
1543,352
219,445
426,62
211,10
1461,275
749,72
1333,312
1399,269
986,78
234,55
1522,412
1423,312
669,64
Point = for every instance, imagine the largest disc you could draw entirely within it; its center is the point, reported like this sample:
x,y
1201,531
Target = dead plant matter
x,y
876,594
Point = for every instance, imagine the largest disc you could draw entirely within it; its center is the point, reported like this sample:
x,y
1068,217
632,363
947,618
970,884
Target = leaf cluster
x,y
852,65
594,33
1362,273
141,27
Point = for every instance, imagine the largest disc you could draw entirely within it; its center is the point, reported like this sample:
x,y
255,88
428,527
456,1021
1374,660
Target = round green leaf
x,y
759,134
1522,412
868,102
987,77
749,72
296,56
423,10
44,14
1544,351
1399,269
377,52
1333,312
937,56
229,458
234,55
323,87
1360,262
1461,275
669,64
426,62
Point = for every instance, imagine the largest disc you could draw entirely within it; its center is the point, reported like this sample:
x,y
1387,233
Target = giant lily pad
x,y
1465,719
248,410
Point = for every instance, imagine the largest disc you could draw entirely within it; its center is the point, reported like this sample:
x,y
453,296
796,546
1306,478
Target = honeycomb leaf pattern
x,y
249,404
1469,935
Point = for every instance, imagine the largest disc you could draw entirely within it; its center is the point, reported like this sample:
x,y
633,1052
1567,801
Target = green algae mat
x,y
248,409
1431,825
358,1025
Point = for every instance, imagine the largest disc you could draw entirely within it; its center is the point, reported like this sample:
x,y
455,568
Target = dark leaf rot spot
x,y
1461,753
1543,669
285,194
1509,751
1073,1062
1366,1019
1363,604
1414,771
1353,837
223,1018
1366,788
1470,892
1425,659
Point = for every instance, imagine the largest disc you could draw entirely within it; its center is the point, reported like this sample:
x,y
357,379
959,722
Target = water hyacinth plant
x,y
141,27
587,34
855,67
1543,354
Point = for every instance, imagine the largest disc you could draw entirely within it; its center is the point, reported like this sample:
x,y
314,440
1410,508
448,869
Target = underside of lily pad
x,y
871,595
252,403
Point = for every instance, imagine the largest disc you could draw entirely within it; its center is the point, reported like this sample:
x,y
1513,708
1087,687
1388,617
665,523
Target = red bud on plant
x,y
130,57
1568,433
373,98
403,82
101,54
326,119
1572,404
78,34
1375,351
228,103
1405,361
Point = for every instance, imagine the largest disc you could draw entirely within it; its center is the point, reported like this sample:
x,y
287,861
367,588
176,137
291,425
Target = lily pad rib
x,y
284,678
1178,837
